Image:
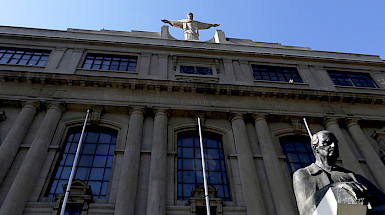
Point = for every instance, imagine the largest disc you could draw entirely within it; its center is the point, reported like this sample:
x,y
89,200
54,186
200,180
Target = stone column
x,y
280,192
20,190
125,201
156,198
348,158
374,162
15,136
249,178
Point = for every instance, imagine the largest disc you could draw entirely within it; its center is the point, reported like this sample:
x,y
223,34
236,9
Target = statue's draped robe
x,y
190,27
311,183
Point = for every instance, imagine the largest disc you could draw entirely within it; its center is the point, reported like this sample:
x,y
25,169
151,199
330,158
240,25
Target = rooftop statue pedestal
x,y
338,201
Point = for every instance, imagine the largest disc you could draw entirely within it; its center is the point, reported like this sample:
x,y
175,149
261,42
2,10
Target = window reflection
x,y
189,164
23,57
298,152
342,78
276,73
94,164
110,62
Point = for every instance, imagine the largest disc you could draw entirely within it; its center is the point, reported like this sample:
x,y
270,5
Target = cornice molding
x,y
45,79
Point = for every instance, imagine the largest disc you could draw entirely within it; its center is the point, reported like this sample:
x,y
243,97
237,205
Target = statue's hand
x,y
357,190
215,25
165,21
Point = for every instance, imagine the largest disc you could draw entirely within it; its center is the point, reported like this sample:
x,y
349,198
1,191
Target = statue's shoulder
x,y
312,169
304,172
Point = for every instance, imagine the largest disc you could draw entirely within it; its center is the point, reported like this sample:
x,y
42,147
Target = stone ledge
x,y
377,97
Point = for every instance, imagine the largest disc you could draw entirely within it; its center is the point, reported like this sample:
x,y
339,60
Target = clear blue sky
x,y
329,25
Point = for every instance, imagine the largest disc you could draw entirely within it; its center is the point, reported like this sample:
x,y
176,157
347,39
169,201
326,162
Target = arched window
x,y
298,152
94,164
190,165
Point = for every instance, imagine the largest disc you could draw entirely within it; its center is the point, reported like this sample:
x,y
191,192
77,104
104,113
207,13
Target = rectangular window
x,y
110,62
196,70
342,78
23,56
275,73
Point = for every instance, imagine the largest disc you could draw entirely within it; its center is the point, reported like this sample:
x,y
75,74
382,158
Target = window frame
x,y
197,77
293,67
68,130
109,55
26,51
286,157
225,160
229,153
196,61
348,73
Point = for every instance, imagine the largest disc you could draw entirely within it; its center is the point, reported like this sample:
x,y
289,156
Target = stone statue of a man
x,y
311,183
190,26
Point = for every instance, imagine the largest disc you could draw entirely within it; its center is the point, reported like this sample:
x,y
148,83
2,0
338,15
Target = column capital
x,y
319,67
227,60
137,110
161,111
260,116
57,106
236,116
145,54
31,104
351,121
303,66
244,62
163,55
330,121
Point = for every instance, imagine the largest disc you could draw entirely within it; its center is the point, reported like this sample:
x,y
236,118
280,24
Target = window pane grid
x,y
94,166
342,78
189,165
298,152
109,62
196,70
24,57
274,73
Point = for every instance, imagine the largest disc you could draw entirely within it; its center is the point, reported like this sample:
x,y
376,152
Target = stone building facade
x,y
146,90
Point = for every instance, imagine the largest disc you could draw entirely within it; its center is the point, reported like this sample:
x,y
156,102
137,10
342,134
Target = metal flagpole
x,y
74,167
307,127
204,169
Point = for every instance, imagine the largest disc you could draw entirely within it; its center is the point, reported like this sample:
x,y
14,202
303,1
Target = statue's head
x,y
190,16
325,146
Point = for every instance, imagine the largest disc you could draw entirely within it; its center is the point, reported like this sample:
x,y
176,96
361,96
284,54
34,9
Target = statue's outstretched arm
x,y
177,23
202,25
165,21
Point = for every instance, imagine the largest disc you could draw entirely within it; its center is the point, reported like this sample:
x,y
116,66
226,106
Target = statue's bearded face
x,y
190,16
328,146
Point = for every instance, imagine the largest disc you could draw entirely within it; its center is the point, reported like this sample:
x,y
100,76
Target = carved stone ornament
x,y
198,202
80,196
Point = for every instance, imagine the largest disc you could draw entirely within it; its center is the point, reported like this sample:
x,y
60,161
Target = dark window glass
x,y
298,152
73,211
196,70
275,73
189,174
110,62
95,161
342,78
23,57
